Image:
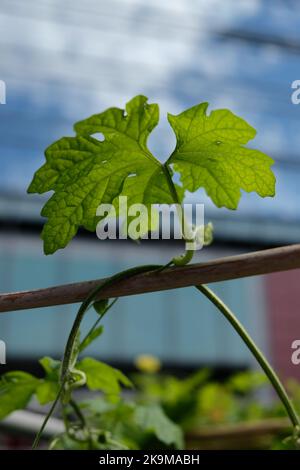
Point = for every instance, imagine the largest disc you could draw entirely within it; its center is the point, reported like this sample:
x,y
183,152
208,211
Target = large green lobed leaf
x,y
84,171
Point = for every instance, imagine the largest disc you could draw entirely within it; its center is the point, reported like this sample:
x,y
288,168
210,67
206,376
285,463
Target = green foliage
x,y
100,306
46,392
215,404
158,413
210,153
16,389
198,400
84,172
133,424
245,382
90,338
72,440
100,376
51,367
48,387
152,418
178,397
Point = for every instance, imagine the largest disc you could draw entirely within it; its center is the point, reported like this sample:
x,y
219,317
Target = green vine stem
x,y
78,413
187,257
183,259
49,414
66,367
67,358
257,353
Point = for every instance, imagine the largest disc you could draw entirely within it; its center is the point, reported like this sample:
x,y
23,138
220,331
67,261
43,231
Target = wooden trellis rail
x,y
222,269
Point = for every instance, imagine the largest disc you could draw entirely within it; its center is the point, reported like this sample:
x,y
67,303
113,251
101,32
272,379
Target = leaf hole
x,y
99,136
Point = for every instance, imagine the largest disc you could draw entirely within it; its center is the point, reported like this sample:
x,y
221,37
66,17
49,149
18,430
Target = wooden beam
x,y
223,269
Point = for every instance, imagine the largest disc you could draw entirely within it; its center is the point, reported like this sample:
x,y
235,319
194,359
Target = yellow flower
x,y
147,363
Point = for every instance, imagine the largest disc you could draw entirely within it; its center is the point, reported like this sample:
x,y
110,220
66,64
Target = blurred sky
x,y
63,60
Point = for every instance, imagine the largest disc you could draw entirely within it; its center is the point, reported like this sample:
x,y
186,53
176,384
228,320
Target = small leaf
x,y
47,391
210,154
48,387
100,306
152,418
103,377
16,389
51,367
90,338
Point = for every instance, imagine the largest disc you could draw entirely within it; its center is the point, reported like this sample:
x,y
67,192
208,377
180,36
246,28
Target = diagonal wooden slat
x,y
223,269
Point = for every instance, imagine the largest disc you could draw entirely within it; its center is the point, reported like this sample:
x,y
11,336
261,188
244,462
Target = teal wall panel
x,y
178,326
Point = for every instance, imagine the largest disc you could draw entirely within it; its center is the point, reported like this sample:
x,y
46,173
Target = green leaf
x,y
47,388
16,389
103,377
84,172
47,391
51,367
98,405
247,381
210,153
100,306
90,338
65,442
216,404
152,418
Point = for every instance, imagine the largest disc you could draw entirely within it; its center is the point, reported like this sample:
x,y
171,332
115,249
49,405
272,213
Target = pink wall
x,y
283,322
